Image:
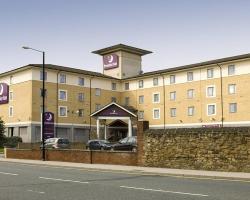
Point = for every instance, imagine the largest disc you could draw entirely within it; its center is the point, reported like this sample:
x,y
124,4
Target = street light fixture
x,y
43,96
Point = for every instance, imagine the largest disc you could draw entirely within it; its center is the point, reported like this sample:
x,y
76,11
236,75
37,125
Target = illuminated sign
x,y
4,93
110,61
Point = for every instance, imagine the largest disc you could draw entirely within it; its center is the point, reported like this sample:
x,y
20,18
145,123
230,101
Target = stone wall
x,y
221,149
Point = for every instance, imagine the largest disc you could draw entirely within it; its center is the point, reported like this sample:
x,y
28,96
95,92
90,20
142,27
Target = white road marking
x,y
5,173
63,180
165,191
36,191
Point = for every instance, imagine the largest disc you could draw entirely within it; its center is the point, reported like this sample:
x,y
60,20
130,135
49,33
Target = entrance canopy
x,y
114,111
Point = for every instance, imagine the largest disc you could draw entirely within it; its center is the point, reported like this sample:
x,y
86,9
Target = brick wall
x,y
222,149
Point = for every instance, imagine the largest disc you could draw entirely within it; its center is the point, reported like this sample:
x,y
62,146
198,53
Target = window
x,y
11,79
41,75
11,95
113,99
173,112
141,99
11,111
155,81
126,86
62,111
156,113
141,115
232,107
172,96
80,112
81,97
140,83
211,109
190,76
210,91
62,95
172,79
156,98
231,88
41,92
190,94
81,81
126,101
190,110
97,92
231,70
113,85
97,106
210,73
62,78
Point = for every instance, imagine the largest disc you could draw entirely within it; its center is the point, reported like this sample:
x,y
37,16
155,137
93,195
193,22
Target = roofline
x,y
112,103
190,66
122,47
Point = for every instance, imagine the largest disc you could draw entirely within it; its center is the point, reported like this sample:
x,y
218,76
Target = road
x,y
35,182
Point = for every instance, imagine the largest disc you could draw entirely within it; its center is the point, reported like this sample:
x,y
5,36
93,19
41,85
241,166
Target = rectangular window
x,y
156,98
140,83
113,85
62,95
231,70
113,99
11,111
11,95
231,88
190,76
41,92
173,96
211,109
172,79
233,107
11,79
80,112
62,78
190,94
140,115
156,113
126,86
81,97
97,92
97,106
62,111
210,73
41,75
210,91
190,110
155,81
80,81
141,99
126,101
173,112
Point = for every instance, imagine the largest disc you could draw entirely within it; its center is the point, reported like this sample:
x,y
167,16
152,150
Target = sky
x,y
179,32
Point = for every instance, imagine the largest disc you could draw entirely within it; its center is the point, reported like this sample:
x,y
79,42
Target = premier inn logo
x,y
110,61
4,93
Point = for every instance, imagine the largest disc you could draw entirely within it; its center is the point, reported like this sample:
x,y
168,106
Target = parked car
x,y
98,145
56,143
126,144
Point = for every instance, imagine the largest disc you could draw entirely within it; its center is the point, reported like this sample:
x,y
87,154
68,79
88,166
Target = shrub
x,y
12,142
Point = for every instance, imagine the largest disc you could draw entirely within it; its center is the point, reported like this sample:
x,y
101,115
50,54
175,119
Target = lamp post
x,y
43,96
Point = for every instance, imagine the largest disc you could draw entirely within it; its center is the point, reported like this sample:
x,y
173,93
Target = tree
x,y
2,136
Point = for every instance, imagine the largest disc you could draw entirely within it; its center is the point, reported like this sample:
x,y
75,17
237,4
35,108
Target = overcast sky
x,y
179,32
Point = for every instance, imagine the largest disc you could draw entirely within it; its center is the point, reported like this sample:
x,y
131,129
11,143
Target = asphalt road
x,y
35,182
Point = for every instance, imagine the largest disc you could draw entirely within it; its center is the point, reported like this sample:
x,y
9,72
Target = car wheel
x,y
134,149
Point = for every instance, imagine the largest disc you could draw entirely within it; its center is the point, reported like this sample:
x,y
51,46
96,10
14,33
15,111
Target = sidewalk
x,y
139,170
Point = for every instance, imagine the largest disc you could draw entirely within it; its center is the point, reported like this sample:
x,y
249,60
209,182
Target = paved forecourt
x,y
29,181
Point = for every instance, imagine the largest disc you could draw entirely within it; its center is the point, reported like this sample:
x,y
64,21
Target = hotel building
x,y
206,94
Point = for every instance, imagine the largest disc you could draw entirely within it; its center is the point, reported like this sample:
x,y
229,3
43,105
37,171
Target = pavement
x,y
138,170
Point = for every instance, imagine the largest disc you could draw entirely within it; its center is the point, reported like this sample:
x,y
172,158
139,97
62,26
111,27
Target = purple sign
x,y
4,93
48,125
110,61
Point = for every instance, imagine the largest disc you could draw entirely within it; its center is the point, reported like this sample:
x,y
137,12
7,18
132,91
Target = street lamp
x,y
43,96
